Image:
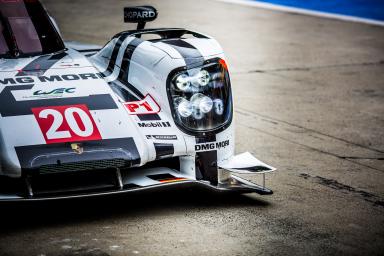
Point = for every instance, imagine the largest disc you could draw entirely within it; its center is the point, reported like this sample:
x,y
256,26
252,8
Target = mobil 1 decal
x,y
154,124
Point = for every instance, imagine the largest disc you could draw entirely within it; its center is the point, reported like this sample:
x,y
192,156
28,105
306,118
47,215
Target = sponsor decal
x,y
161,137
55,93
154,124
140,14
11,107
46,79
211,146
143,107
69,123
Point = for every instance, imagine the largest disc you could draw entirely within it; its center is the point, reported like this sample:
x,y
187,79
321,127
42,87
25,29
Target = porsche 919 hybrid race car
x,y
77,120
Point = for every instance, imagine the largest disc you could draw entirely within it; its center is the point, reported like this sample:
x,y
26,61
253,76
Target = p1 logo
x,y
143,107
66,123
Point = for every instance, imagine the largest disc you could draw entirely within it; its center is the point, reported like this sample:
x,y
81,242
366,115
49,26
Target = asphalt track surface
x,y
309,100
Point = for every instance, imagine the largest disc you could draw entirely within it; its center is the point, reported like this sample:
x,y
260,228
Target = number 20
x,y
58,119
66,123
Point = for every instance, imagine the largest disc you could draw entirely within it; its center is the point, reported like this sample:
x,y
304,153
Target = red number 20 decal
x,y
66,123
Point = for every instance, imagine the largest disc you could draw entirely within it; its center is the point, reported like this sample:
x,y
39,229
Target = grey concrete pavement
x,y
309,98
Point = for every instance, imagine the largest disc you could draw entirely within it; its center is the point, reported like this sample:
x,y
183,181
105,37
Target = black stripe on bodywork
x,y
206,162
115,52
164,150
127,96
206,139
123,77
118,89
40,65
191,54
10,107
149,117
33,157
125,65
124,68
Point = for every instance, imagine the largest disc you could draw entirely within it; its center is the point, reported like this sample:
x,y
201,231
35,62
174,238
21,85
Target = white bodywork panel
x,y
75,76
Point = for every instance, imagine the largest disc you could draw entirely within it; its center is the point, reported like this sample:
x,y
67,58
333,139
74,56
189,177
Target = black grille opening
x,y
84,166
79,178
12,186
74,182
172,163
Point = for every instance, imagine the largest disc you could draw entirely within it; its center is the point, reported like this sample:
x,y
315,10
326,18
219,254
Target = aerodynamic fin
x,y
246,163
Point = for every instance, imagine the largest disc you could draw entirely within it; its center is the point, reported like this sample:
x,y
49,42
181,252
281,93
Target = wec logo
x,y
55,92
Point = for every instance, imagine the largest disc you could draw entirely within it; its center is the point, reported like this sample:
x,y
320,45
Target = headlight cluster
x,y
201,97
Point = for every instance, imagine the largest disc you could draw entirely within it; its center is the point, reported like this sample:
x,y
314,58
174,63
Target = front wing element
x,y
119,181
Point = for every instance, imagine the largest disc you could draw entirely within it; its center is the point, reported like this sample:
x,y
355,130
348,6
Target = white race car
x,y
77,120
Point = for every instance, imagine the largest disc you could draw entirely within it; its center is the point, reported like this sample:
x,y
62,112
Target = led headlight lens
x,y
201,102
197,114
203,77
206,104
199,77
201,97
218,105
184,107
183,82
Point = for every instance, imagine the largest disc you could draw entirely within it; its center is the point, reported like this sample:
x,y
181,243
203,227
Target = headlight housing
x,y
200,97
